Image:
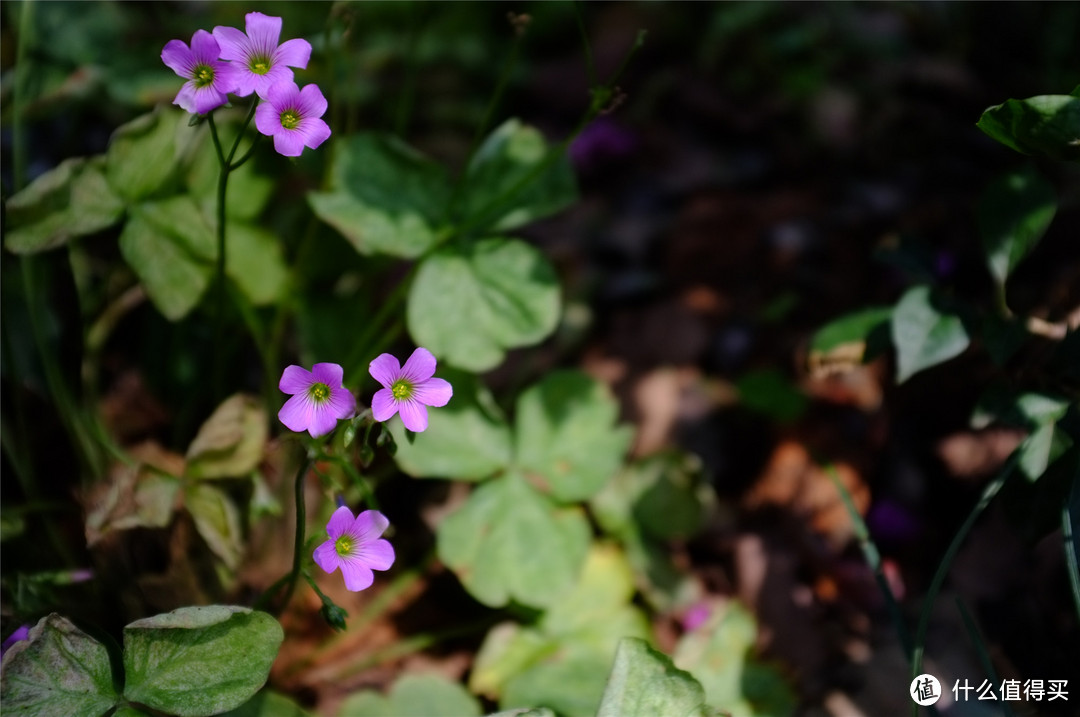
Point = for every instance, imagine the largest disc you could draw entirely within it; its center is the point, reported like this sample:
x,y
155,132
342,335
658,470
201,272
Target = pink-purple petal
x,y
329,373
247,84
186,97
226,77
323,420
378,554
276,74
326,556
232,42
383,405
288,143
267,120
297,413
385,369
433,392
342,404
340,522
282,95
294,53
368,526
413,415
357,575
263,31
208,98
178,58
295,379
313,132
420,366
204,47
311,103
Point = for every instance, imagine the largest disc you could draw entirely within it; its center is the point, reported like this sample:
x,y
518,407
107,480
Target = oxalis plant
x,y
1036,362
181,191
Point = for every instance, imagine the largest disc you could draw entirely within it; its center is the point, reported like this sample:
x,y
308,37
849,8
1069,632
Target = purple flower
x,y
318,401
291,116
209,79
408,390
260,61
20,634
355,547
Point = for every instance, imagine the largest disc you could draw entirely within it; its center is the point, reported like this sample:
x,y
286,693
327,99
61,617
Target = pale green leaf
x,y
1041,448
566,438
1014,213
1046,125
231,442
71,200
562,662
413,696
253,259
645,683
57,670
131,497
385,197
469,304
199,660
924,334
853,328
719,655
508,542
171,248
513,179
467,439
217,520
144,155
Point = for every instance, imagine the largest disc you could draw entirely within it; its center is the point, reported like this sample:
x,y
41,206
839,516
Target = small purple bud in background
x,y
601,141
20,634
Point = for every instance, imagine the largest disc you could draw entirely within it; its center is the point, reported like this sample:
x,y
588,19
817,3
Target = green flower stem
x,y
18,99
225,168
298,536
247,155
405,582
368,496
873,559
289,579
988,494
980,649
219,272
1069,537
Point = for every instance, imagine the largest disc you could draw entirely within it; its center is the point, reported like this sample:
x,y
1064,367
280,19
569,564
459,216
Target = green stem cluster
x,y
227,166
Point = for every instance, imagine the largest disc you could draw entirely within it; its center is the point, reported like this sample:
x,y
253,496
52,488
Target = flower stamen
x,y
259,65
290,119
401,389
343,546
204,76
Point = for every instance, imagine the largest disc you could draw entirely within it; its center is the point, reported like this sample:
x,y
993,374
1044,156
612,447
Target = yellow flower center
x,y
401,389
259,65
204,76
319,391
289,119
343,546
